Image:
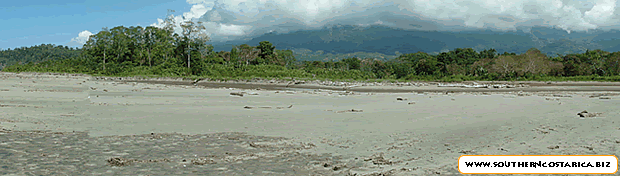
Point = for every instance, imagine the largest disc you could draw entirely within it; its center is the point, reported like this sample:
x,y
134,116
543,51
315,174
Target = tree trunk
x,y
103,58
118,55
142,55
149,52
188,55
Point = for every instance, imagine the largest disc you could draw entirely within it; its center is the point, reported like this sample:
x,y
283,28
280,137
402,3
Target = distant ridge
x,y
388,40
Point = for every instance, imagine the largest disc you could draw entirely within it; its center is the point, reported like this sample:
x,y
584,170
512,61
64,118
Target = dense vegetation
x,y
37,53
320,55
151,51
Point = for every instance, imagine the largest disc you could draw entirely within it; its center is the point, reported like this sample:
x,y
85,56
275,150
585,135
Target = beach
x,y
64,124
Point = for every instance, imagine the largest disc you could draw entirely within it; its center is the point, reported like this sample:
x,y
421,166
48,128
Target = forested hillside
x,y
346,39
37,53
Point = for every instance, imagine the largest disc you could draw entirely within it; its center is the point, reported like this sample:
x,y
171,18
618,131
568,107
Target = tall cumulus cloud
x,y
81,39
233,19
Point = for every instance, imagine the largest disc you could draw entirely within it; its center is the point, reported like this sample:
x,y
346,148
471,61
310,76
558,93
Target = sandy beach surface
x,y
61,124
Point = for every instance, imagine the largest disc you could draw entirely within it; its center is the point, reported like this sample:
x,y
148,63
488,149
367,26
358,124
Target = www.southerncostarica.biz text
x,y
538,164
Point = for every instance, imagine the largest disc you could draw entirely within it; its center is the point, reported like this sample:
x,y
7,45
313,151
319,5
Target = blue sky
x,y
28,23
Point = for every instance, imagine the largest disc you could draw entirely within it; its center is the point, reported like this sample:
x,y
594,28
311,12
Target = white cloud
x,y
252,17
159,24
196,11
601,12
81,38
235,30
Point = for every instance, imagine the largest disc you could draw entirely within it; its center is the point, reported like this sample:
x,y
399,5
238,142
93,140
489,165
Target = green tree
x,y
247,53
234,54
352,63
266,49
99,43
571,65
505,65
400,68
163,44
612,64
194,37
490,53
137,35
120,43
428,66
286,57
596,60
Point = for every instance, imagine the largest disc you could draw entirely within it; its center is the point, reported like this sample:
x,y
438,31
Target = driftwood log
x,y
237,94
351,110
267,107
588,114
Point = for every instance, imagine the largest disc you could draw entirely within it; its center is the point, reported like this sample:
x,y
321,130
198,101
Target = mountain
x,y
393,32
388,40
387,29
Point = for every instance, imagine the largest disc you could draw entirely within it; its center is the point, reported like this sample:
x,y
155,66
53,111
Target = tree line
x,y
486,65
160,51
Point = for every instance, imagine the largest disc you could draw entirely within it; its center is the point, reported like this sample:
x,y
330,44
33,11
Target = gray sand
x,y
324,132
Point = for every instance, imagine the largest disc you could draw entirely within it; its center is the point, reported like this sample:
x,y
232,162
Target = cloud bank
x,y
234,19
